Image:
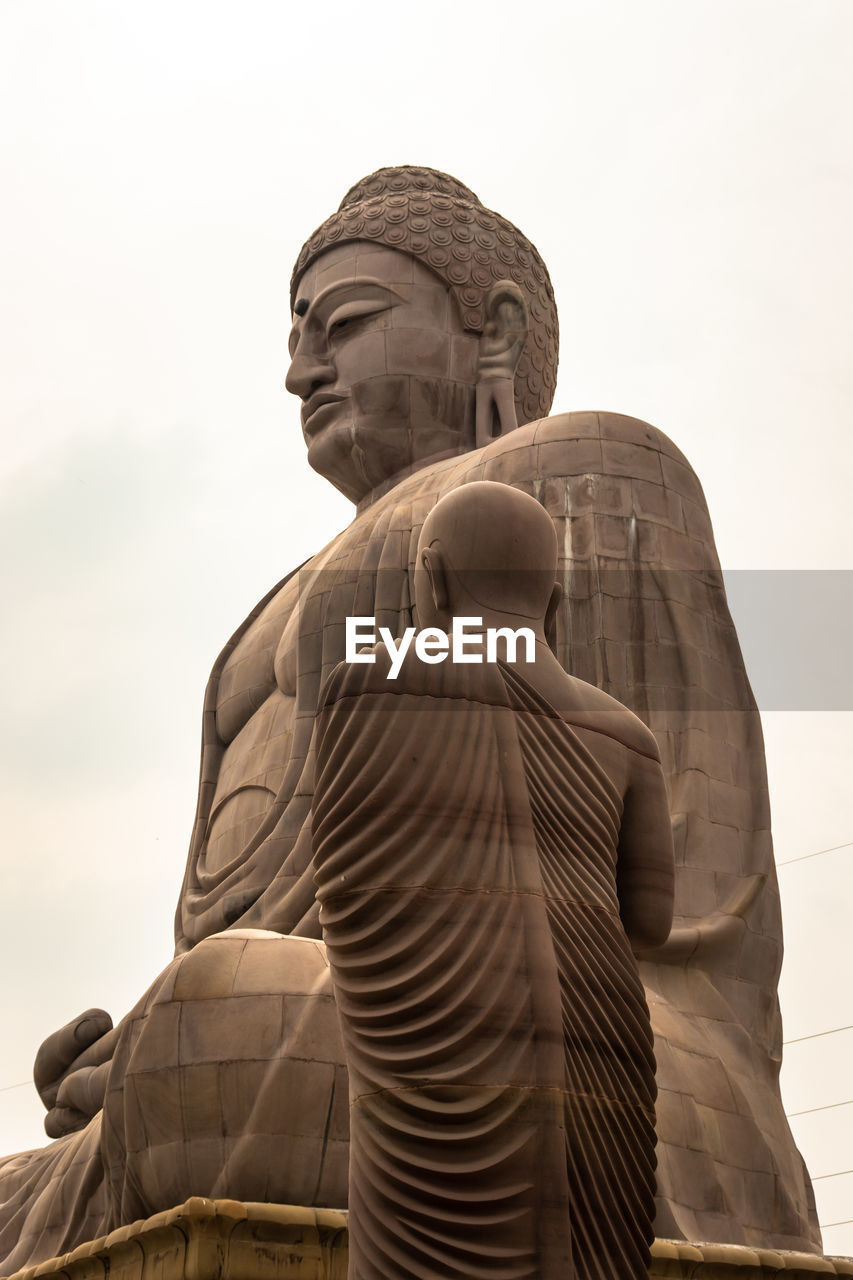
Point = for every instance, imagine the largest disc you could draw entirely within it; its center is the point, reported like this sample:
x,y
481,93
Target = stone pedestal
x,y
227,1240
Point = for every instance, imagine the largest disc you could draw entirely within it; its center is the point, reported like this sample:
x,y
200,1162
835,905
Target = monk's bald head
x,y
497,548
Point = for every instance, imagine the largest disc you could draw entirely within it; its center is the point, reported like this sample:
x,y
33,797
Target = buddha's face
x,y
383,367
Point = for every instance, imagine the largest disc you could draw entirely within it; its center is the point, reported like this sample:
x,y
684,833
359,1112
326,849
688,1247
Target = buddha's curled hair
x,y
441,222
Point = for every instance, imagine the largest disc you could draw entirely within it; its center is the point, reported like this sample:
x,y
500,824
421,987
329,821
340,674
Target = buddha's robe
x,y
644,618
497,1035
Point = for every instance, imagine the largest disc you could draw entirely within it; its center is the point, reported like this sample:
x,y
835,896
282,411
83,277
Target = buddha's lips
x,y
313,420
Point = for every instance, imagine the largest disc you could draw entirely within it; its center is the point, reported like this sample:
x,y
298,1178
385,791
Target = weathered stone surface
x,y
226,1240
212,1240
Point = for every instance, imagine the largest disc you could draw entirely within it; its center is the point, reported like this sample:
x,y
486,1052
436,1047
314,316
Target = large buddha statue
x,y
424,351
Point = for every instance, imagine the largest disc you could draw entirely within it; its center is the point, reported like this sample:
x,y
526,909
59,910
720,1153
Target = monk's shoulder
x,y
598,711
366,673
376,672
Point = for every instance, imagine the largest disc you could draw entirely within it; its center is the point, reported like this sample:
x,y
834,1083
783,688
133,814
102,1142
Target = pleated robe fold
x,y
497,1036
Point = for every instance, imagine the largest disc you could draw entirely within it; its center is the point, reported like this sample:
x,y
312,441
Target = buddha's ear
x,y
433,562
505,328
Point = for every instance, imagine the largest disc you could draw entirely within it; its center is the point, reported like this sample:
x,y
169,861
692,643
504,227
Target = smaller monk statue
x,y
492,841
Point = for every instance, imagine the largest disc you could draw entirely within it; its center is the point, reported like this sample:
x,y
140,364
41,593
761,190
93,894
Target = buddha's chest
x,y
302,628
255,718
263,662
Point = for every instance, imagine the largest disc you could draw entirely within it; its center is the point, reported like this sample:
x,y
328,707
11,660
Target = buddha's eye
x,y
352,311
346,322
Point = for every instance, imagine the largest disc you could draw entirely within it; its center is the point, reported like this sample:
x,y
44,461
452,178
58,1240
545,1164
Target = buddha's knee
x,y
240,995
236,1058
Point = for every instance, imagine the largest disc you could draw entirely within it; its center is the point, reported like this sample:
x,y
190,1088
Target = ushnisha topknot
x,y
442,223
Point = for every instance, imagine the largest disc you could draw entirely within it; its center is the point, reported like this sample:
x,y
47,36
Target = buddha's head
x,y
402,302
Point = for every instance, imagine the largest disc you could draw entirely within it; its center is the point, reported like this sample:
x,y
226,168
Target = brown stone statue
x,y
490,838
424,351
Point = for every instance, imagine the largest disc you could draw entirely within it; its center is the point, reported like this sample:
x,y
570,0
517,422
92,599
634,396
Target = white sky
x,y
685,168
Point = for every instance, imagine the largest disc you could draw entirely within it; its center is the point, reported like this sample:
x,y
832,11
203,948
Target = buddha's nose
x,y
306,372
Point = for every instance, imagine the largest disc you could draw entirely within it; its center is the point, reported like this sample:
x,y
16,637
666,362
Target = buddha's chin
x,y
356,458
362,455
330,455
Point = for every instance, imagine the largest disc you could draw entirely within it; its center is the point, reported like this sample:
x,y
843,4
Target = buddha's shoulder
x,y
583,443
565,445
598,424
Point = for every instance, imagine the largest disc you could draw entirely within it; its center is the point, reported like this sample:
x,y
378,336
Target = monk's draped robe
x,y
497,1035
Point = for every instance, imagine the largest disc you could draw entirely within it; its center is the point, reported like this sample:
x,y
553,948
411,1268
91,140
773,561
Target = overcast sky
x,y
685,167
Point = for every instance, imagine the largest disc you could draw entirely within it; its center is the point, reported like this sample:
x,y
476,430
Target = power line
x,y
816,1034
829,1106
845,1223
842,1173
4,1088
803,856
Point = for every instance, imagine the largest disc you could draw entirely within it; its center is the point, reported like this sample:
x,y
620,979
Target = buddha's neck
x,y
387,485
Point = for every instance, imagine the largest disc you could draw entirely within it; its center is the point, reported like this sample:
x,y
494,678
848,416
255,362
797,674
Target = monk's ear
x,y
505,328
433,562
